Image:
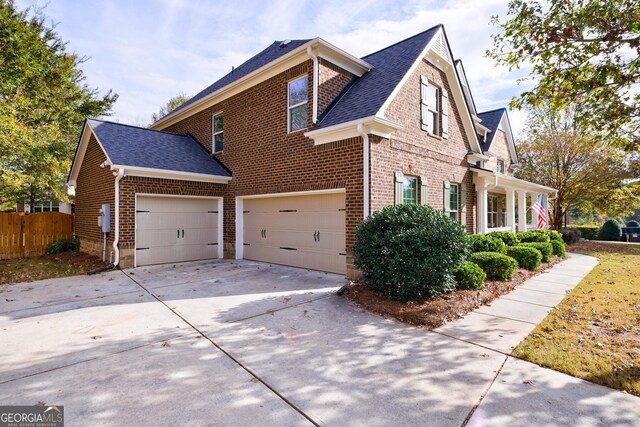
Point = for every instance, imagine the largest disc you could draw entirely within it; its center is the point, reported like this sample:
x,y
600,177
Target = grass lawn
x,y
46,267
594,333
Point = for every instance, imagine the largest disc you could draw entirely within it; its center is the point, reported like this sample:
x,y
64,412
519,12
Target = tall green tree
x,y
581,51
44,100
171,105
588,173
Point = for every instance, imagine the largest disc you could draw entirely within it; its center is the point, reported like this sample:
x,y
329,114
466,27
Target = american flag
x,y
538,207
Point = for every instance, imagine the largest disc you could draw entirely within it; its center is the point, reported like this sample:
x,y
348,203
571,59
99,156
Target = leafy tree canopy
x,y
589,174
44,100
581,51
171,105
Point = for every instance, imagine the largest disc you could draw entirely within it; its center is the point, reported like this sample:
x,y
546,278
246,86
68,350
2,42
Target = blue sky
x,y
148,51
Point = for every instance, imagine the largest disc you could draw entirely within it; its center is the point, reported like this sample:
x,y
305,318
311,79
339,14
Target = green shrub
x,y
545,249
410,251
509,238
611,230
553,235
633,223
495,265
533,236
64,244
470,276
528,257
559,248
485,243
570,235
589,232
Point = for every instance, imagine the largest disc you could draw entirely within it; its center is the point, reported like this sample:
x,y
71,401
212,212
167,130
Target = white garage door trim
x,y
240,210
180,196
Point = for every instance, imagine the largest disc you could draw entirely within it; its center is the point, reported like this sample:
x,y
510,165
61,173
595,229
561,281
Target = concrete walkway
x,y
525,394
243,343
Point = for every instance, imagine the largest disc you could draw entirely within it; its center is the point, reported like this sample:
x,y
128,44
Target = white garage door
x,y
175,229
300,231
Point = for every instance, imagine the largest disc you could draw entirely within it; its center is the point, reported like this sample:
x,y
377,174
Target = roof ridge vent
x,y
285,43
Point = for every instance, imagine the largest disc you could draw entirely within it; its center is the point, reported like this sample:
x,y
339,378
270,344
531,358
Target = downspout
x,y
314,114
119,175
365,168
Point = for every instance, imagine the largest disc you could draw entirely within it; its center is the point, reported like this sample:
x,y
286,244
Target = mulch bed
x,y
433,312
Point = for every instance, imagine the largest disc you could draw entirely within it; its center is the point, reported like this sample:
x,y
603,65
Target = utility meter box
x,y
104,219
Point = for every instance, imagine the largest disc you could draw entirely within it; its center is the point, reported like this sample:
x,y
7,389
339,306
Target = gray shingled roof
x,y
271,53
140,147
491,119
368,93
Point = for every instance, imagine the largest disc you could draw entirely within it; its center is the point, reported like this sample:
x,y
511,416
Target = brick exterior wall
x,y
415,152
499,147
331,80
265,159
95,186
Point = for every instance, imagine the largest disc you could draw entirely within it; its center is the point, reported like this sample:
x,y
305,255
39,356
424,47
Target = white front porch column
x,y
534,215
522,210
511,212
482,210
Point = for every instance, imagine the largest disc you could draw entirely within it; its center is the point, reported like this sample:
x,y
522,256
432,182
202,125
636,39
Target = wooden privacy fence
x,y
25,235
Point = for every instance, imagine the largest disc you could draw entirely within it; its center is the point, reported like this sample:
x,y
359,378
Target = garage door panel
x,y
157,238
284,230
160,221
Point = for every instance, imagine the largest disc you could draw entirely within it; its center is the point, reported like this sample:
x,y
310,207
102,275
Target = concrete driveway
x,y
244,343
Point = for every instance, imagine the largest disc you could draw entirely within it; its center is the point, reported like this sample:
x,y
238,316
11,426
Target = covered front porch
x,y
504,202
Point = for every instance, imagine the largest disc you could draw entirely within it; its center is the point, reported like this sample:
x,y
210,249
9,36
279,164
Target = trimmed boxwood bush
x,y
611,230
470,276
495,265
570,235
589,232
553,235
545,249
64,244
559,248
485,243
528,257
410,251
509,238
533,236
633,223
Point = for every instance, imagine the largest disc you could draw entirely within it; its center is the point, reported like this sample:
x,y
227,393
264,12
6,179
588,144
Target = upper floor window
x,y
434,108
453,201
218,132
410,190
500,166
297,104
45,207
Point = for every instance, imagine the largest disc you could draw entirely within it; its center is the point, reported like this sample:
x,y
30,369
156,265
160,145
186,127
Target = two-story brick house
x,y
281,158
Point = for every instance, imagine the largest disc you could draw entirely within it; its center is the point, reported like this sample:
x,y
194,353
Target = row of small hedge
x,y
410,251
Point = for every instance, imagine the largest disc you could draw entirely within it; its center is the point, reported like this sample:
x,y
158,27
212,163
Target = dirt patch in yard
x,y
433,312
46,267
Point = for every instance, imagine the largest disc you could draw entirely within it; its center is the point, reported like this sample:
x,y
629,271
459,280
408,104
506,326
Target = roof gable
x,y
498,120
366,96
128,146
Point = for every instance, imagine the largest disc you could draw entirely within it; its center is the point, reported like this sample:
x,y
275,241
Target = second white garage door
x,y
301,231
175,229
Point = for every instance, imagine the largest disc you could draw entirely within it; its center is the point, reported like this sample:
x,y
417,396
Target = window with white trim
x,y
410,190
492,211
453,201
297,98
500,166
45,207
434,108
218,132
